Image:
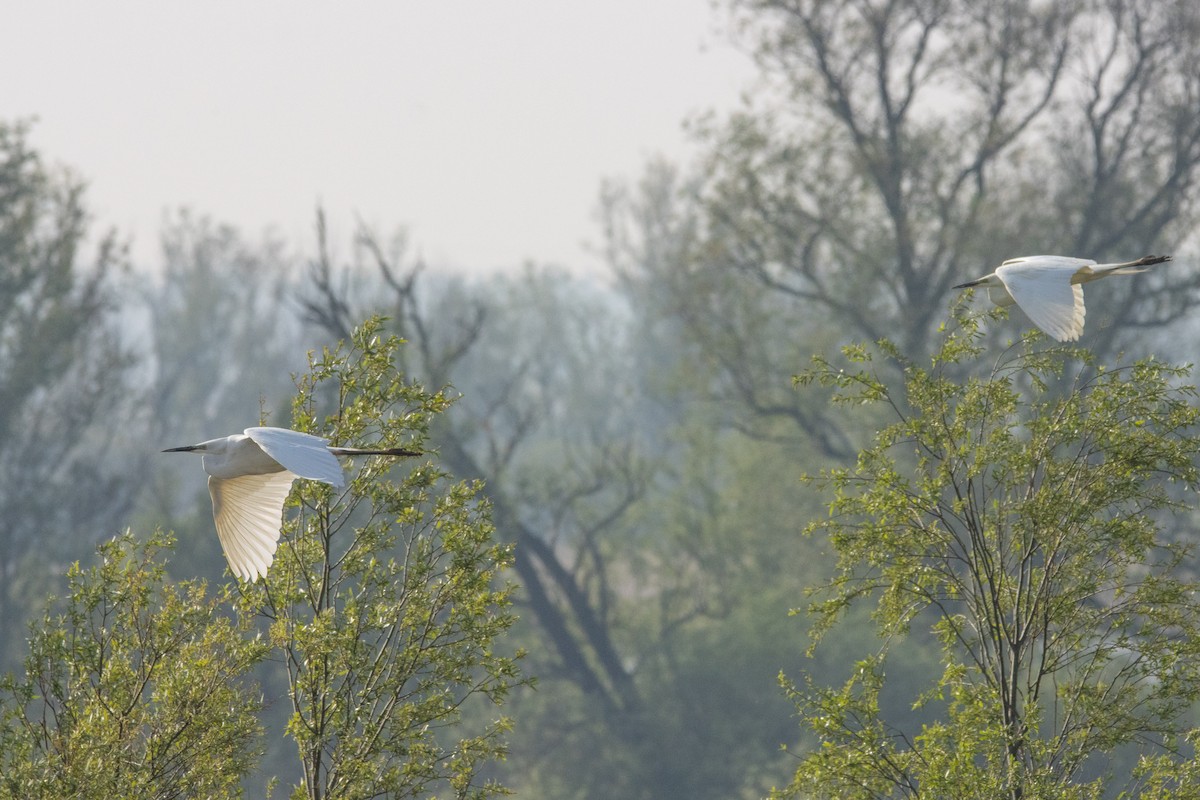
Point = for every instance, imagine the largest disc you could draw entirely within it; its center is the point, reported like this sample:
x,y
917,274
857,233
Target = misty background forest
x,y
637,434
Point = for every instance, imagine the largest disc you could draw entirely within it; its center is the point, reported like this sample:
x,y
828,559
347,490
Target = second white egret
x,y
1048,288
249,477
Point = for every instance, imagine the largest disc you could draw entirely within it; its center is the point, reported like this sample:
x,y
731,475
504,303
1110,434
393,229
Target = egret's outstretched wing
x,y
1043,262
306,455
1045,293
248,511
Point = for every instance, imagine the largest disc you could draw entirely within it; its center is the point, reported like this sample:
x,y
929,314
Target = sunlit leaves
x,y
386,602
135,688
383,611
1019,505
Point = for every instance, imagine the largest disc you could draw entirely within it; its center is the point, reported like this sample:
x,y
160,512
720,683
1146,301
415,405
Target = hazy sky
x,y
484,127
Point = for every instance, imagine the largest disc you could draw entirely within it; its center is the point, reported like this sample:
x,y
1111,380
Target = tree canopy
x,y
1024,515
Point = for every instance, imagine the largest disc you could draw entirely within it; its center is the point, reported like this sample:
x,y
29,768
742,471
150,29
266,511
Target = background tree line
x,y
638,433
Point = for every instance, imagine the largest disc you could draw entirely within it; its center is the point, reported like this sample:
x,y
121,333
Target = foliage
x,y
63,376
384,607
1018,510
136,688
637,442
385,602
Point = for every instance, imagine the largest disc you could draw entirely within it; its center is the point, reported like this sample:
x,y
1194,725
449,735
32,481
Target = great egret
x,y
1048,290
249,477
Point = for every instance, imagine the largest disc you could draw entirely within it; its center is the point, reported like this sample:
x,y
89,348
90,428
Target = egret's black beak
x,y
967,285
189,448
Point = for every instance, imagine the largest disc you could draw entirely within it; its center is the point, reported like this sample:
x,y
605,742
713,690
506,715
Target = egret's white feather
x,y
1048,297
249,513
250,475
304,454
1048,288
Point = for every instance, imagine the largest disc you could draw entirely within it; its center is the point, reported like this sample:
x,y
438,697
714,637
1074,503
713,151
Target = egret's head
x,y
211,446
986,280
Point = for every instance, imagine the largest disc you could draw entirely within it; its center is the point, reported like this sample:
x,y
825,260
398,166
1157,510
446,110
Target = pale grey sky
x,y
484,127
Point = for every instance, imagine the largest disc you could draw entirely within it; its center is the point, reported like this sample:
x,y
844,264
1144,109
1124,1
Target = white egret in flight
x,y
249,477
1048,290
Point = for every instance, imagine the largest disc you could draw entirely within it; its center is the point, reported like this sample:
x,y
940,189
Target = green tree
x,y
385,602
64,376
135,688
1019,509
378,627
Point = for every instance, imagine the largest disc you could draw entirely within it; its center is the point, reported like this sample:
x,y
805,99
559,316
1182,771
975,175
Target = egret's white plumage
x,y
249,477
1048,288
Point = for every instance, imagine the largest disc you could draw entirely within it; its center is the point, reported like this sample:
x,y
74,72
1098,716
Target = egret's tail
x,y
391,451
1129,267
